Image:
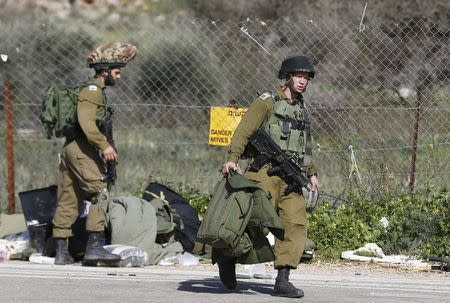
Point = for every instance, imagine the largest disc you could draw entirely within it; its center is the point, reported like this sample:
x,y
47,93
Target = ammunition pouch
x,y
289,127
288,124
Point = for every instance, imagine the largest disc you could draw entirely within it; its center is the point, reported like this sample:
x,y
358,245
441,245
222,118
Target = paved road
x,y
26,282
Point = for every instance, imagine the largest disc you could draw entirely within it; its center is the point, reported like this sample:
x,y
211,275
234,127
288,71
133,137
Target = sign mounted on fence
x,y
223,122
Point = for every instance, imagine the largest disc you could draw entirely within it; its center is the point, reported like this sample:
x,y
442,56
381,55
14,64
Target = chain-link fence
x,y
379,103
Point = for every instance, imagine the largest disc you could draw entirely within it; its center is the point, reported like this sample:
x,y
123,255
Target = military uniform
x,y
82,168
292,207
81,174
285,120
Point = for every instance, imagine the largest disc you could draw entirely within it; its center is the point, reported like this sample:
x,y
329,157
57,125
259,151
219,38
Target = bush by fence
x,y
415,225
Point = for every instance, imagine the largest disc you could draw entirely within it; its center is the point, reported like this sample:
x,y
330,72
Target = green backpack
x,y
228,214
59,109
164,216
165,224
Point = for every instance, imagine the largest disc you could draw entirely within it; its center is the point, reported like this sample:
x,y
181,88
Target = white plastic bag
x,y
38,258
130,256
183,259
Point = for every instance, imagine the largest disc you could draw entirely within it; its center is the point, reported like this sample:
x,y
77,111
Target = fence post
x,y
423,80
9,146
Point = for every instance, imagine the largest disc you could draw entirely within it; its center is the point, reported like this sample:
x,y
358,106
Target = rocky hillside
x,y
113,11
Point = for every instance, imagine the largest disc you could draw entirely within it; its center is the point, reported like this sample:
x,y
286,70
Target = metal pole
x,y
9,146
423,80
415,135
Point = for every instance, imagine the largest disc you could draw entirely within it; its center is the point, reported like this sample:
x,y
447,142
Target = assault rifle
x,y
111,173
264,150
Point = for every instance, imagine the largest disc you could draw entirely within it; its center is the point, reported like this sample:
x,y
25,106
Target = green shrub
x,y
419,224
197,200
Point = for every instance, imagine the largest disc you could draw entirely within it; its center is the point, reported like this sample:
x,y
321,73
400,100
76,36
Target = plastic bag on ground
x,y
257,271
130,256
183,259
38,258
188,259
14,245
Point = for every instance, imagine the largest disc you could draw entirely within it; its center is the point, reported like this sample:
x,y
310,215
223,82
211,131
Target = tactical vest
x,y
289,127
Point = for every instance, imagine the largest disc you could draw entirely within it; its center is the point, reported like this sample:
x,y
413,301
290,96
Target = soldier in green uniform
x,y
283,115
82,163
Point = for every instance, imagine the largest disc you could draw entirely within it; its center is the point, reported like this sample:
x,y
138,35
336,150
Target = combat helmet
x,y
111,55
296,64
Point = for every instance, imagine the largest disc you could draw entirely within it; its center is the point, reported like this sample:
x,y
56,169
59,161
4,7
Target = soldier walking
x,y
86,150
283,115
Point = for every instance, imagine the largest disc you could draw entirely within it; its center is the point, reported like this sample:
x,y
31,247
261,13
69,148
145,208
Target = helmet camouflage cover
x,y
111,55
296,64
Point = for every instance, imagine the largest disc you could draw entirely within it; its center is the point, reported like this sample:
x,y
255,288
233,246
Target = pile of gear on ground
x,y
160,228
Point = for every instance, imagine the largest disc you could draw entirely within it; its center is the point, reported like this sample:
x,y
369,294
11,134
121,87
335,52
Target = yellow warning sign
x,y
223,122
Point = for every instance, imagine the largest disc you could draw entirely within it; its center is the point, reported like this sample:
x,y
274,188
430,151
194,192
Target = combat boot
x,y
62,254
284,288
227,272
95,252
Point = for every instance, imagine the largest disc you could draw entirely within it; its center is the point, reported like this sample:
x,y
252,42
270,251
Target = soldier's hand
x,y
314,182
227,166
110,154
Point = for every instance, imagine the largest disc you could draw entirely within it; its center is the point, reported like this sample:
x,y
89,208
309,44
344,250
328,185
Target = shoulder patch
x,y
265,96
93,87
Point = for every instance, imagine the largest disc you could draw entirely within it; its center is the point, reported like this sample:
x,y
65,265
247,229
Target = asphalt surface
x,y
27,282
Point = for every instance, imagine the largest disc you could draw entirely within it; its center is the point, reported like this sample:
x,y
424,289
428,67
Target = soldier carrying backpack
x,y
283,116
82,116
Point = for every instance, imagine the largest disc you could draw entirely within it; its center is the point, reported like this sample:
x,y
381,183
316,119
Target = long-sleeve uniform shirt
x,y
92,104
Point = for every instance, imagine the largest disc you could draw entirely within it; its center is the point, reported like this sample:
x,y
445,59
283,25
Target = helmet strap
x,y
288,82
288,85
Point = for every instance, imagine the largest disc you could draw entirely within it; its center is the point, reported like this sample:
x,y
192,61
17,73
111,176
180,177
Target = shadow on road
x,y
215,286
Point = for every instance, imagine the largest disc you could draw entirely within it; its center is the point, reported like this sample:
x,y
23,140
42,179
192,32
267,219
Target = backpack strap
x,y
83,85
172,210
161,196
